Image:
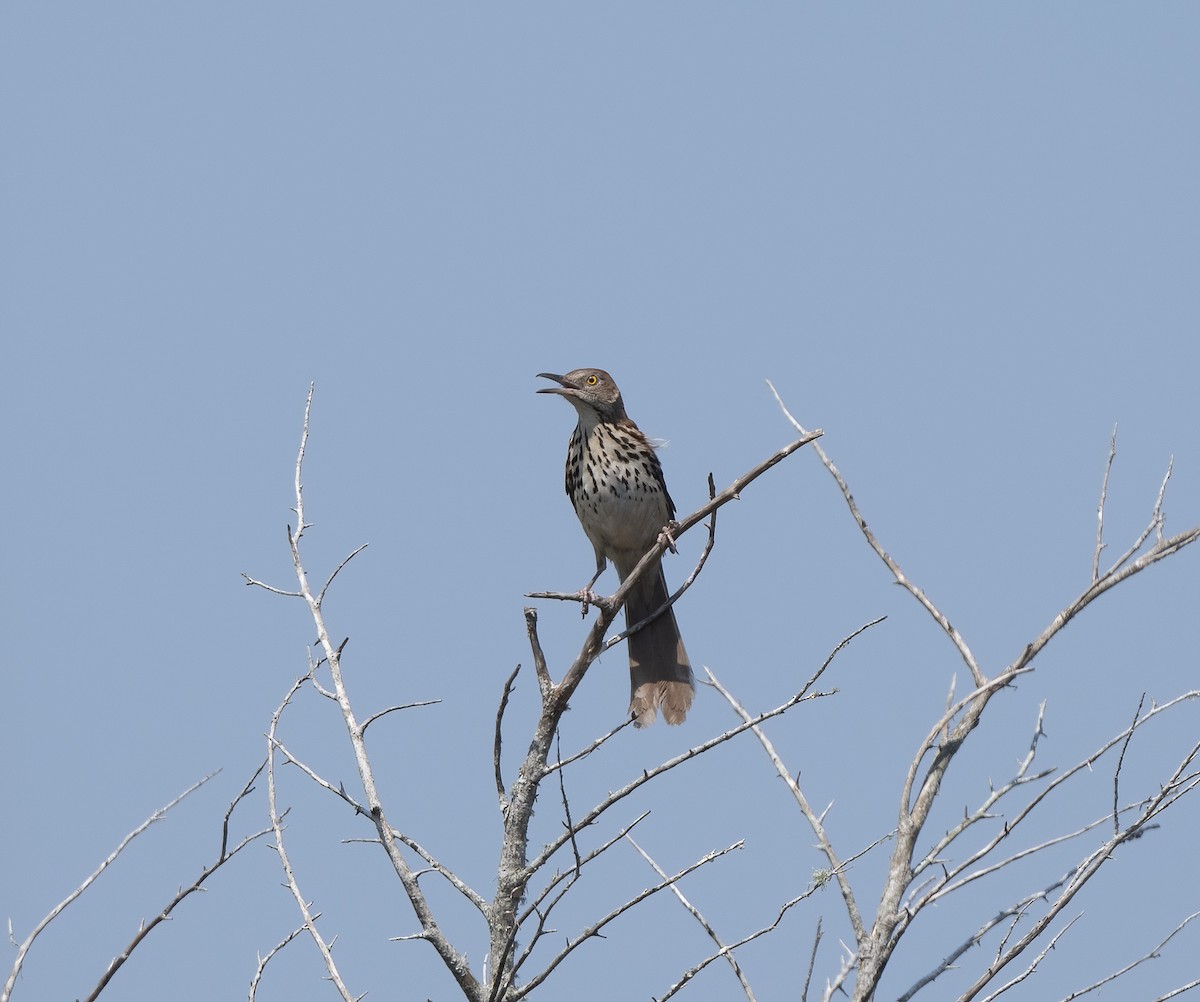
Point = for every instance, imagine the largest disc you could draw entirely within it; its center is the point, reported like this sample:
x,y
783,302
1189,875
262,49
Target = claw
x,y
589,598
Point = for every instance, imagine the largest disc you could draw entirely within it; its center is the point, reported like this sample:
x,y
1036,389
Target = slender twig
x,y
955,637
594,930
498,740
730,493
1112,454
1033,964
261,966
338,570
712,958
952,879
454,961
223,856
569,826
23,949
254,582
392,709
589,748
722,949
304,906
688,581
1180,783
923,782
1176,992
812,963
569,877
340,791
1120,762
651,774
995,795
1154,526
1151,954
814,820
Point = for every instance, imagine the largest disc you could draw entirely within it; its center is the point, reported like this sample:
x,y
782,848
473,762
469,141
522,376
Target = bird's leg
x,y
590,597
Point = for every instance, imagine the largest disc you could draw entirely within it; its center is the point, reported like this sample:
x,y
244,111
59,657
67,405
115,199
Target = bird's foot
x,y
668,534
588,598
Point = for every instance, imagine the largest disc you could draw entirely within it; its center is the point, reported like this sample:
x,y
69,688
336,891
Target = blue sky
x,y
961,240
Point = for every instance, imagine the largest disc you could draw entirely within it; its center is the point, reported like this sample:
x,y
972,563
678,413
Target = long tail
x,y
659,671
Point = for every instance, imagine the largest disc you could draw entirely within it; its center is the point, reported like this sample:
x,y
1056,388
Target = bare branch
x,y
1033,965
1120,762
570,827
1180,783
588,749
304,906
539,656
569,876
812,961
392,709
1176,992
837,867
453,960
1152,954
722,949
340,791
691,972
953,729
254,582
224,856
1112,454
337,570
1153,527
514,871
58,909
499,738
261,966
671,600
952,879
594,930
901,578
651,774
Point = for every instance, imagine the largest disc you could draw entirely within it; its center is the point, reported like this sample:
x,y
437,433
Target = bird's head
x,y
593,389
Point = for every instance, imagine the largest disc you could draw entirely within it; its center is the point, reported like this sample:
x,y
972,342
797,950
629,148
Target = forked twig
x,y
722,949
24,948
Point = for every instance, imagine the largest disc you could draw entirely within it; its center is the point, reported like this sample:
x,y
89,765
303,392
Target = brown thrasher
x,y
615,482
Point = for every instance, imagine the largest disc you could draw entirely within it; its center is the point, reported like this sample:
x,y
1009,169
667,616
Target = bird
x,y
615,482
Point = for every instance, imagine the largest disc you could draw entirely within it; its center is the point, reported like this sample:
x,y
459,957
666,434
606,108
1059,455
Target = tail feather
x,y
660,674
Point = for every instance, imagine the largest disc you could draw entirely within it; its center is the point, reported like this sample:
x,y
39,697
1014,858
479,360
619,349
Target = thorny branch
x,y
224,855
837,867
24,948
515,870
712,958
516,802
1100,544
874,945
594,930
1152,954
265,959
430,931
305,907
923,782
722,949
952,878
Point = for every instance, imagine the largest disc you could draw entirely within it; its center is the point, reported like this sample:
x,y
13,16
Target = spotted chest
x,y
615,482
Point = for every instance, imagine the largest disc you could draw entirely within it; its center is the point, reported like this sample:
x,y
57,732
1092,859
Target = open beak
x,y
565,386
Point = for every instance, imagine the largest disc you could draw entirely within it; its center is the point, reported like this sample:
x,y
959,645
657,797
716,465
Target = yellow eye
x,y
591,380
